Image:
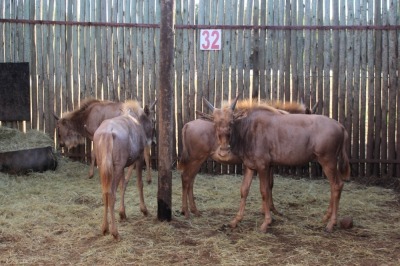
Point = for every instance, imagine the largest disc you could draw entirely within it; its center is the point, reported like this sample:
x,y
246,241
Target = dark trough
x,y
28,160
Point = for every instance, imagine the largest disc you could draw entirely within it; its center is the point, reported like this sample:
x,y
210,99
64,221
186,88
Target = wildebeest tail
x,y
104,158
344,165
183,159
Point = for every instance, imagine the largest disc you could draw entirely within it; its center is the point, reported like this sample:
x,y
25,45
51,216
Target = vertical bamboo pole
x,y
261,50
184,103
300,54
247,50
240,56
363,88
268,50
370,85
146,43
377,87
307,55
40,72
335,62
27,45
327,61
384,91
179,59
393,87
50,123
275,53
120,86
81,52
288,53
193,62
356,91
127,18
134,53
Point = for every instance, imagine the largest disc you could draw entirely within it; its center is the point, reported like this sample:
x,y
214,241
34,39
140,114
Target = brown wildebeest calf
x,y
262,138
81,123
118,143
199,143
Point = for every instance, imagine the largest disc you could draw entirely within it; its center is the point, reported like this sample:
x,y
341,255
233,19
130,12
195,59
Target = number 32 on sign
x,y
210,39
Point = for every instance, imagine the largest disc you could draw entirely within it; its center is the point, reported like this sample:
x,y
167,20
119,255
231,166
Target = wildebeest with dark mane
x,y
119,142
199,143
28,160
81,123
262,138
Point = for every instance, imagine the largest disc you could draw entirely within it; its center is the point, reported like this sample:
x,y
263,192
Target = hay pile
x,y
55,217
13,139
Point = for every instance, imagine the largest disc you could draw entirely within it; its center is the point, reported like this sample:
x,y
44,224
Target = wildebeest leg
x,y
147,149
188,176
265,182
122,187
91,170
336,185
244,192
271,185
123,184
139,183
104,226
111,204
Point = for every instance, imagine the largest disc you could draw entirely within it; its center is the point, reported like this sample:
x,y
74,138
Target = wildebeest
x,y
28,160
262,138
119,142
199,143
81,123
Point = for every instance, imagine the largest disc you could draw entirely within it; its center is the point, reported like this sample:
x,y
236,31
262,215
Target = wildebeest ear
x,y
205,116
56,117
146,110
240,115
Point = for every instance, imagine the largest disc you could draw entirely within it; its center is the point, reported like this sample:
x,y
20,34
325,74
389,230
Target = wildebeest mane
x,y
78,117
81,113
131,106
241,129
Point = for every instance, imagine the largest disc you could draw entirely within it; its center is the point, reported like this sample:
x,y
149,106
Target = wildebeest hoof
x,y
122,216
104,231
145,212
116,237
224,228
233,224
264,227
197,213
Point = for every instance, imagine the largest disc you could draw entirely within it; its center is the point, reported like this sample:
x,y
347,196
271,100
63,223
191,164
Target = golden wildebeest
x,y
199,143
119,142
263,137
81,123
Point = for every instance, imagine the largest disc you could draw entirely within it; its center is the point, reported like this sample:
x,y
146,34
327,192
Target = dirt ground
x,y
54,218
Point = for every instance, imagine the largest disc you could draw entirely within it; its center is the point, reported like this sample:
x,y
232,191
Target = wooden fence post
x,y
164,110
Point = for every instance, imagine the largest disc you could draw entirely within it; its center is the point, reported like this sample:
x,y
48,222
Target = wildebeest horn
x,y
208,104
56,117
153,104
314,108
233,105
